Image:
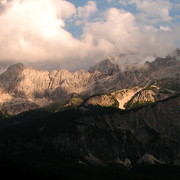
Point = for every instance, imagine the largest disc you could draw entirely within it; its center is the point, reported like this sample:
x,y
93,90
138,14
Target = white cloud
x,y
3,2
87,10
34,31
121,34
29,26
165,28
63,9
151,29
155,29
115,31
152,10
83,13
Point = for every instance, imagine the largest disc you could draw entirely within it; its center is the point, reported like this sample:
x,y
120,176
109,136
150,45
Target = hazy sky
x,y
78,33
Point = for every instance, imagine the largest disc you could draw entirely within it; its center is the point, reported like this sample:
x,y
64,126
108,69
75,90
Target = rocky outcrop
x,y
113,99
130,98
17,106
149,159
148,95
106,100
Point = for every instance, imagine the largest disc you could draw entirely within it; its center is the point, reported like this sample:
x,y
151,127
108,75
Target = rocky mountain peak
x,y
16,67
11,77
164,62
106,67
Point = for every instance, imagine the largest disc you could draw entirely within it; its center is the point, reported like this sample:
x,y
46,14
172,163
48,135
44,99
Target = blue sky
x,y
79,33
105,4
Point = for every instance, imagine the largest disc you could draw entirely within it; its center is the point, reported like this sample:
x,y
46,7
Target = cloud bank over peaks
x,y
34,32
119,33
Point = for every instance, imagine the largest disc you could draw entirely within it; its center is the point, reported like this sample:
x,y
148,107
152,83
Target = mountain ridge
x,y
39,88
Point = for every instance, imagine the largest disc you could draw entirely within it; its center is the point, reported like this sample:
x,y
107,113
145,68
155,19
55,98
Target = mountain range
x,y
101,124
23,88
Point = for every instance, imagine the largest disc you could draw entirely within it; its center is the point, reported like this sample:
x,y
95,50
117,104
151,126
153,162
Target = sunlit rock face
x,y
41,88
